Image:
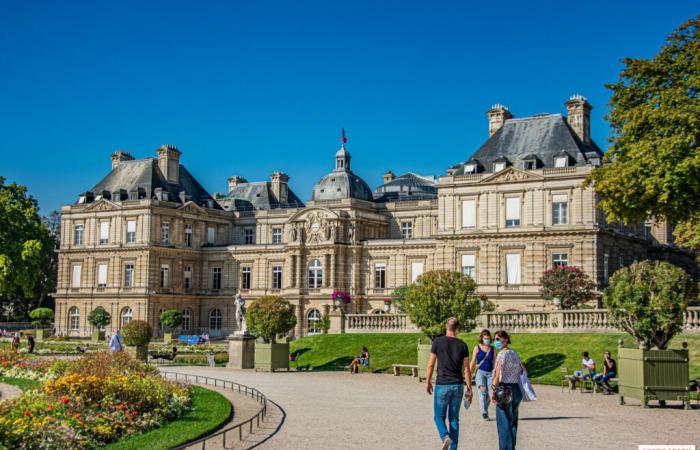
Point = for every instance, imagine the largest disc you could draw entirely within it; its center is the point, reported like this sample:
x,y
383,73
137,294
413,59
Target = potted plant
x,y
435,297
387,305
340,298
266,318
170,318
42,318
567,287
137,334
325,323
648,300
99,319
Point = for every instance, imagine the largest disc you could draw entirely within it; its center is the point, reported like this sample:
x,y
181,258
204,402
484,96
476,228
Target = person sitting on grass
x,y
362,359
609,371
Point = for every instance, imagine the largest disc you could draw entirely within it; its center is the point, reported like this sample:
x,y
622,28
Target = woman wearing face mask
x,y
507,372
482,365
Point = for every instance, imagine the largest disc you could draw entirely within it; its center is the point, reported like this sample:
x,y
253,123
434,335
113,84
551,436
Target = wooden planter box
x,y
41,334
139,352
98,335
423,357
167,338
653,375
272,356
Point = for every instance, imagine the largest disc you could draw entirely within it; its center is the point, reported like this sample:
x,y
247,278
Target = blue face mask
x,y
498,345
487,341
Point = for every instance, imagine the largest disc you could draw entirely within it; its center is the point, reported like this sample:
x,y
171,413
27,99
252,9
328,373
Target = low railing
x,y
379,323
228,435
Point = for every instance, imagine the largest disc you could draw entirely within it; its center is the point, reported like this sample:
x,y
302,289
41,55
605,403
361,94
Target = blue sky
x,y
247,88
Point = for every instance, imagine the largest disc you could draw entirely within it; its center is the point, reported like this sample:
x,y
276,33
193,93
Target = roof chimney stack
x,y
169,162
120,155
280,187
388,176
234,181
578,112
498,114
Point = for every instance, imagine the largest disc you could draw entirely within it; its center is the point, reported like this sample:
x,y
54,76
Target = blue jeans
x,y
448,399
507,419
483,378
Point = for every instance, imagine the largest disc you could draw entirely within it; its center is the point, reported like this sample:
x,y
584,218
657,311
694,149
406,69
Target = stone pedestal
x,y
337,322
241,352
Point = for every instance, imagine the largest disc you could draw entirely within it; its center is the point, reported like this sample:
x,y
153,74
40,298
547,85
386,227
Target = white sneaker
x,y
446,443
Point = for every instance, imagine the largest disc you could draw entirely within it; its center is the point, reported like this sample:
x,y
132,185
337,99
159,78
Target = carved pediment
x,y
192,208
317,212
102,205
511,174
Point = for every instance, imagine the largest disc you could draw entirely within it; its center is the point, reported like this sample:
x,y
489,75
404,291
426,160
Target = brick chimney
x,y
120,155
388,176
280,186
234,181
169,162
578,112
498,114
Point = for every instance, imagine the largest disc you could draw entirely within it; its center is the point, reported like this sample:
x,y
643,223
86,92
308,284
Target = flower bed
x,y
87,403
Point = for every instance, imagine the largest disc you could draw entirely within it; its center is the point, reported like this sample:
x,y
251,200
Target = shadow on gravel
x,y
552,418
277,429
540,365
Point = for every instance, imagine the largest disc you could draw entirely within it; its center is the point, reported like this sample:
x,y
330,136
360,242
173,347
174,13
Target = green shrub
x,y
397,298
438,295
42,316
171,318
137,333
200,359
569,284
648,300
270,316
99,318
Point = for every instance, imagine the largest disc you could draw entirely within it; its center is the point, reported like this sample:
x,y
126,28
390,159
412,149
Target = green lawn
x,y
21,383
543,354
210,410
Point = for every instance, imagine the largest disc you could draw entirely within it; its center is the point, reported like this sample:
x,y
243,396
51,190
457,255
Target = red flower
x,y
64,400
50,407
27,413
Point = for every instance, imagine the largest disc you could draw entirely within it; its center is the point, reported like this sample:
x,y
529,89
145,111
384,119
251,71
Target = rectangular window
x,y
246,273
277,277
497,167
164,275
513,268
560,259
249,236
407,230
188,235
529,165
469,265
102,275
416,270
77,273
512,212
211,235
187,277
380,275
130,231
469,214
216,278
647,230
78,238
104,233
277,235
561,161
606,259
166,232
560,209
128,275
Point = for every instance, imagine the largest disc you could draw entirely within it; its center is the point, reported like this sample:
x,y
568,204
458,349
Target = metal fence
x,y
231,435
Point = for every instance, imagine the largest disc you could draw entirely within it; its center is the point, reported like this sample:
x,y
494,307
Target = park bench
x,y
397,369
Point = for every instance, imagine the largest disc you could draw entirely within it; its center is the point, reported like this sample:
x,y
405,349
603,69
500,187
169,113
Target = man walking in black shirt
x,y
452,375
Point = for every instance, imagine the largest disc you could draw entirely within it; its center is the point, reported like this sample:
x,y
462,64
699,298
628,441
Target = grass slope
x,y
543,354
210,410
21,383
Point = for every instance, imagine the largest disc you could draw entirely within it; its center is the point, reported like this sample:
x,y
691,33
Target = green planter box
x,y
653,375
41,334
423,357
272,356
98,335
167,338
140,352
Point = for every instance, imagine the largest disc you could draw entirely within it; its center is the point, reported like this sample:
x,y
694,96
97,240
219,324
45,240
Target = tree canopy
x,y
653,165
27,258
269,316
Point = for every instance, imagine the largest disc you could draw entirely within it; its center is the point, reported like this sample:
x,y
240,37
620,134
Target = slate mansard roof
x,y
257,196
144,177
409,186
545,136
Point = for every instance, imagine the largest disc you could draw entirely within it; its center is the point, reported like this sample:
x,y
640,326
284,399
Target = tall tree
x,y
653,165
27,259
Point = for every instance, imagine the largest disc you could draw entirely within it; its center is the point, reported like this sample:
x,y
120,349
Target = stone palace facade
x,y
149,237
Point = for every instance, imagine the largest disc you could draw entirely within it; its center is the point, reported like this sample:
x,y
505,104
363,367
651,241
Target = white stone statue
x,y
240,315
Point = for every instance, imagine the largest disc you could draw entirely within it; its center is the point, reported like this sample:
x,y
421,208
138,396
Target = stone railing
x,y
379,323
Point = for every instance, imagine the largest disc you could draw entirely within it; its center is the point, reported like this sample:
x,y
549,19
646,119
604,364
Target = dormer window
x,y
470,168
529,165
498,166
594,161
561,161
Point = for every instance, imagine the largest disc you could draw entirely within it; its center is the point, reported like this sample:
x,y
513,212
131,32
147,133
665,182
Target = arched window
x,y
126,315
378,311
313,321
74,318
186,319
315,274
215,319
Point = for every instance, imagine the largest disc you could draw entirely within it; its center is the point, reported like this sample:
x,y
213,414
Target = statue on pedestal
x,y
240,316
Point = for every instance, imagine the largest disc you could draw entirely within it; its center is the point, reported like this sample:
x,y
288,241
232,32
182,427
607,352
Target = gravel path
x,y
370,411
8,391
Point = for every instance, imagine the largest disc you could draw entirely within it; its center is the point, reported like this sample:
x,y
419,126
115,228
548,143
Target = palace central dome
x,y
342,182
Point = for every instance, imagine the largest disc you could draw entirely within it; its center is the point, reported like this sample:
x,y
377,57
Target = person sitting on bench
x,y
587,370
609,371
362,359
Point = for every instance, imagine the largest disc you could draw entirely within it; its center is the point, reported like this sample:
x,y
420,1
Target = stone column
x,y
333,269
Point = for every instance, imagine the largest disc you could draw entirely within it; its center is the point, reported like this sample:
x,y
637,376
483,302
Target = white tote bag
x,y
526,388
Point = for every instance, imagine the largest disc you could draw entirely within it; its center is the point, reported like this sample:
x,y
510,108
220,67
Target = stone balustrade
x,y
379,323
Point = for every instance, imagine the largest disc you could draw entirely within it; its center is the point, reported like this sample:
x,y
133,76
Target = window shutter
x,y
102,274
380,266
513,208
211,235
77,271
468,213
104,230
131,226
416,270
513,268
468,260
